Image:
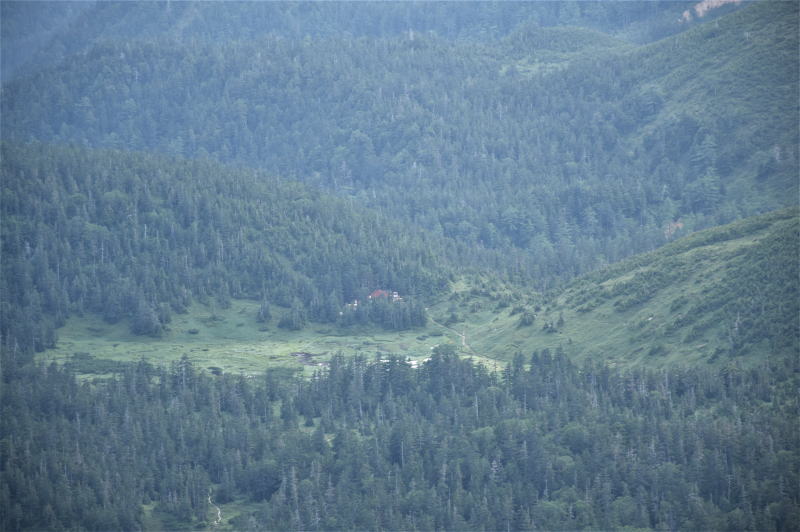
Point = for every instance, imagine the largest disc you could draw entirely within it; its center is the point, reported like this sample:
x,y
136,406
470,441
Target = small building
x,y
379,293
393,296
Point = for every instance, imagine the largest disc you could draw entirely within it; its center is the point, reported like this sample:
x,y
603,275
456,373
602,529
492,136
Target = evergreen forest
x,y
447,266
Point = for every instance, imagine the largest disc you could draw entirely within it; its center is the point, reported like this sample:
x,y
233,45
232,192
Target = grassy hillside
x,y
720,295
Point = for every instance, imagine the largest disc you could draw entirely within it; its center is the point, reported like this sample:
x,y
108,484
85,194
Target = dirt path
x,y
462,335
219,512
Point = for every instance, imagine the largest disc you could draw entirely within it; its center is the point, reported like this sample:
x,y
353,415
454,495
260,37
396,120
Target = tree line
x,y
541,444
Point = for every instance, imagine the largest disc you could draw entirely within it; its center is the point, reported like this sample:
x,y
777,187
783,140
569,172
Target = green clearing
x,y
231,340
547,50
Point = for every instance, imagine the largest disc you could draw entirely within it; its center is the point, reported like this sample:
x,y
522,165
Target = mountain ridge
x,y
566,172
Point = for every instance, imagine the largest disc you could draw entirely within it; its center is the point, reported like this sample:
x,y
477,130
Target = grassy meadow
x,y
231,340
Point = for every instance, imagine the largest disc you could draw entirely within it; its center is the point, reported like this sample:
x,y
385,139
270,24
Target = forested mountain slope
x,y
32,31
742,106
126,235
577,164
197,193
38,34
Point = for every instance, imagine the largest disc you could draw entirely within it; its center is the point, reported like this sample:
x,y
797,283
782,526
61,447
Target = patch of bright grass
x,y
231,341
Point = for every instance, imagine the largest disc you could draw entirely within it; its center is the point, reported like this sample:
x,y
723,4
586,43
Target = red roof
x,y
379,293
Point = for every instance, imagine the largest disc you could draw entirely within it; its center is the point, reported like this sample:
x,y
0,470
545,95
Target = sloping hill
x,y
733,85
562,172
126,235
539,50
729,294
